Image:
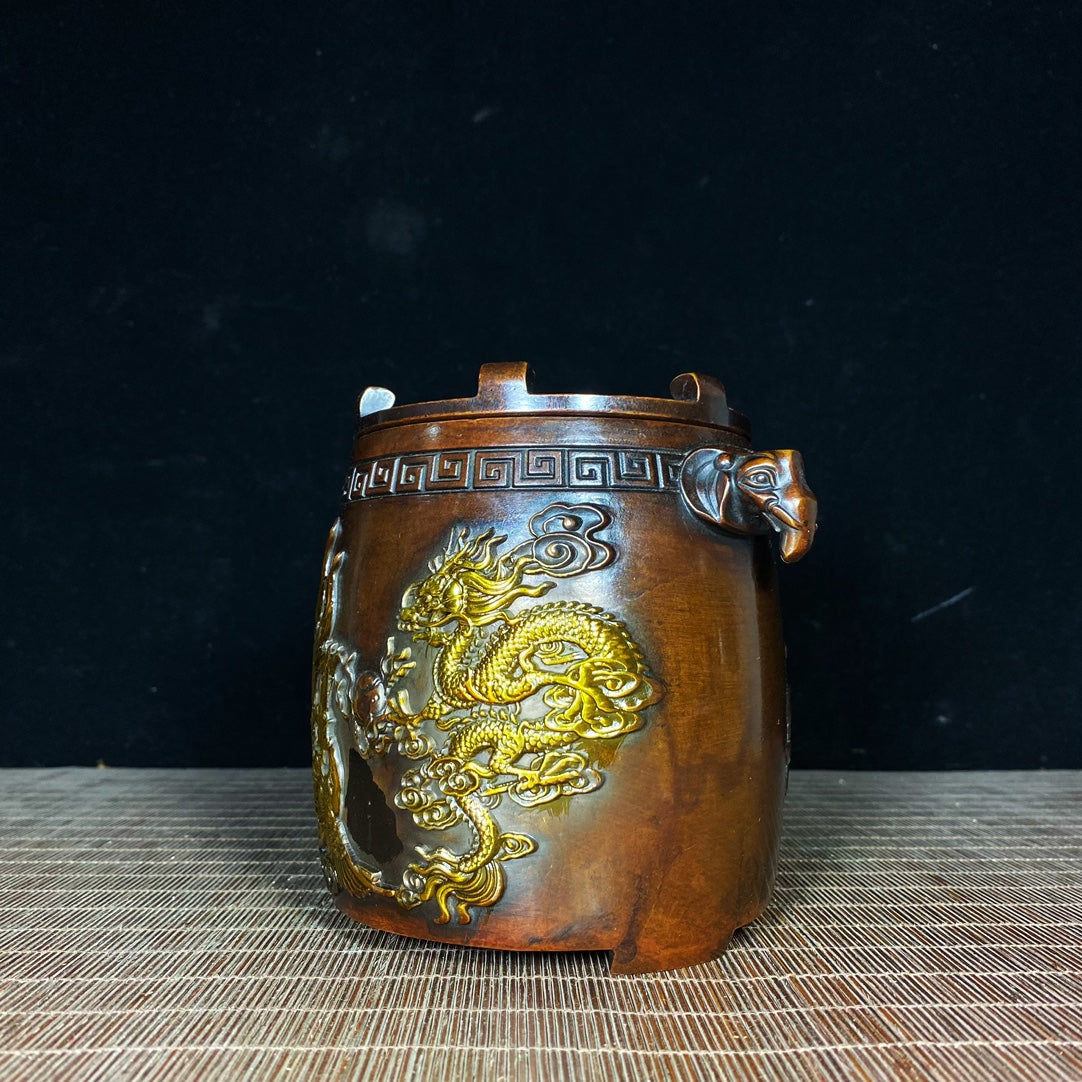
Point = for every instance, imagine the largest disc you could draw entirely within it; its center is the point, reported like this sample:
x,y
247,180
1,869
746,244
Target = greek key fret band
x,y
539,468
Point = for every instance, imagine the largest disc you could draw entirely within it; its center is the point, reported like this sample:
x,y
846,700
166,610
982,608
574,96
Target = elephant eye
x,y
760,478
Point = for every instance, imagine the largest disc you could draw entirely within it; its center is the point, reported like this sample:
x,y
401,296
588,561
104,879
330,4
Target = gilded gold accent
x,y
522,700
334,691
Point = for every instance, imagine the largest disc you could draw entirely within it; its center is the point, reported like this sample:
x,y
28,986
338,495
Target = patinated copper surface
x,y
549,697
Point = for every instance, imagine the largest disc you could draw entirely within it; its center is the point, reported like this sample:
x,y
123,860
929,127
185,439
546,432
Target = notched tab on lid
x,y
505,383
373,400
704,391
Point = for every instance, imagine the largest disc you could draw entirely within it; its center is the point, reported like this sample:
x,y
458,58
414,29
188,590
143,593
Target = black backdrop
x,y
223,220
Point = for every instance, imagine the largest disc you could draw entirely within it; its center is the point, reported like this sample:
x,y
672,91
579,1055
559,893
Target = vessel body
x,y
550,709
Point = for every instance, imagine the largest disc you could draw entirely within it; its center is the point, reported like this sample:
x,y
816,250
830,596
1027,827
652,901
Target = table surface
x,y
167,924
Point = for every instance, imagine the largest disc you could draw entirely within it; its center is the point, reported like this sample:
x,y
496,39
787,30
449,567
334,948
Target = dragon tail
x,y
475,878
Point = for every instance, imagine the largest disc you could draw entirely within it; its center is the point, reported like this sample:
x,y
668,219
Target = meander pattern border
x,y
494,468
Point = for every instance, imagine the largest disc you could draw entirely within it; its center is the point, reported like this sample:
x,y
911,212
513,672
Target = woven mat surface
x,y
174,925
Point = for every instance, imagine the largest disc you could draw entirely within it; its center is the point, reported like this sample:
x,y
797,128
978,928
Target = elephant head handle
x,y
752,492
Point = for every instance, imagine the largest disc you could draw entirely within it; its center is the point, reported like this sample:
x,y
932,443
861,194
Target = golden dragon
x,y
583,663
527,693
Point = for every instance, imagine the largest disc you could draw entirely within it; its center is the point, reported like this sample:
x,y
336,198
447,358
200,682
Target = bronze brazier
x,y
549,694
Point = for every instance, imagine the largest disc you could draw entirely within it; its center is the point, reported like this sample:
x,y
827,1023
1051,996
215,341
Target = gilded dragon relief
x,y
523,698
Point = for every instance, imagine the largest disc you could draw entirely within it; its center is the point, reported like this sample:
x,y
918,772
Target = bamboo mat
x,y
174,925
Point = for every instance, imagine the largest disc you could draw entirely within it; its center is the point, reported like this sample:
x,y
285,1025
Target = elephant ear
x,y
703,483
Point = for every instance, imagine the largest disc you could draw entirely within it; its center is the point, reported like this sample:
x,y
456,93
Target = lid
x,y
505,388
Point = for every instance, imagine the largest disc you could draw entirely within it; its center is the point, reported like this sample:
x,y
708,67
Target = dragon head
x,y
748,493
470,583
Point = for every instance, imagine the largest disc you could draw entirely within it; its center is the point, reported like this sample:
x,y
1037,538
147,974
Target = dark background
x,y
221,221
